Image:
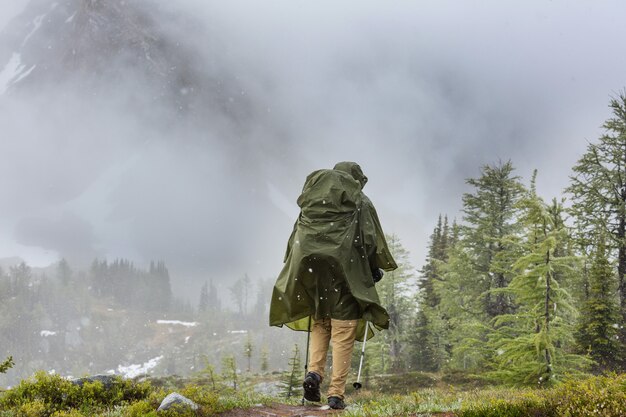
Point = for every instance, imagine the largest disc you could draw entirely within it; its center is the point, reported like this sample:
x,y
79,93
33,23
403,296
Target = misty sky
x,y
421,94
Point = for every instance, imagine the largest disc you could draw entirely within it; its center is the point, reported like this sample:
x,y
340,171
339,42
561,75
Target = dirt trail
x,y
283,410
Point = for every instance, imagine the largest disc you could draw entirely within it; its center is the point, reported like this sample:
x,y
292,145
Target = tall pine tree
x,y
598,192
532,344
478,267
429,348
490,216
597,332
395,294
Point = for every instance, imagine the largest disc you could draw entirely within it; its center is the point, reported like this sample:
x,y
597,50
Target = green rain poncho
x,y
335,245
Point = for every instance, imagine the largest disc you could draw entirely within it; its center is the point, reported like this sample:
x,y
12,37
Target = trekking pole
x,y
306,361
357,385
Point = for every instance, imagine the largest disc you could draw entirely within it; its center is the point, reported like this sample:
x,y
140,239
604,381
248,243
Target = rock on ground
x,y
176,398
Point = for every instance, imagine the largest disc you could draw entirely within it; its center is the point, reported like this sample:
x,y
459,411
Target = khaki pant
x,y
342,334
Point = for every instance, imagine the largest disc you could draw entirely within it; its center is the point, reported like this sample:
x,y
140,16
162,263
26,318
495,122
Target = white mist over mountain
x,y
183,131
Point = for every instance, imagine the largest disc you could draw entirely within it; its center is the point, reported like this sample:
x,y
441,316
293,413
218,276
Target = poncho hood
x,y
354,170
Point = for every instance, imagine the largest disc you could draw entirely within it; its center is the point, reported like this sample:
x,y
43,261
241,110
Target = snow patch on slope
x,y
132,371
181,323
36,25
69,19
13,72
24,75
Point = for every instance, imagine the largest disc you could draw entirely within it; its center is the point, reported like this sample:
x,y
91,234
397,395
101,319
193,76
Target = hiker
x,y
335,254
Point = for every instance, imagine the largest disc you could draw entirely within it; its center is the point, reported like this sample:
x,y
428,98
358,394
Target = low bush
x,y
531,406
43,395
599,396
603,396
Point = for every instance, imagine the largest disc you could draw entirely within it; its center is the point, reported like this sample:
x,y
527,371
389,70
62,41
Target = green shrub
x,y
603,396
535,407
203,396
70,413
56,394
599,396
402,383
459,378
141,409
32,409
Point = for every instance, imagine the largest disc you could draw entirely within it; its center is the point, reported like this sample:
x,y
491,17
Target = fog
x,y
98,162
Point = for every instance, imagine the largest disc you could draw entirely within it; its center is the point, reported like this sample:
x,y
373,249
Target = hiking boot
x,y
336,403
311,387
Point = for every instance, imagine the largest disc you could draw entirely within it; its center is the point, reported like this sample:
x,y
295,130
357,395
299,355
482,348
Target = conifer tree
x,y
598,193
395,295
461,293
203,304
248,349
423,356
291,377
478,265
209,373
64,272
239,291
229,370
265,365
214,300
597,331
490,215
531,344
428,338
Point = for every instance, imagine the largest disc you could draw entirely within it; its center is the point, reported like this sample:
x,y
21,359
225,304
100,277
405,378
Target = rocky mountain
x,y
134,134
100,45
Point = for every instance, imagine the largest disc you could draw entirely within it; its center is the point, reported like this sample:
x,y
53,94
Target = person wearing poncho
x,y
334,255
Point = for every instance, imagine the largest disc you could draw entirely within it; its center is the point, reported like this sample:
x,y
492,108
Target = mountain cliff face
x,y
99,45
127,131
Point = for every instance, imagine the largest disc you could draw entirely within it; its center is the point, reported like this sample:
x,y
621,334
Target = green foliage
x,y
76,413
248,348
6,365
55,393
209,376
490,213
265,366
141,409
597,332
598,197
395,290
531,344
229,370
131,286
429,347
424,402
530,404
598,396
36,408
292,377
475,271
